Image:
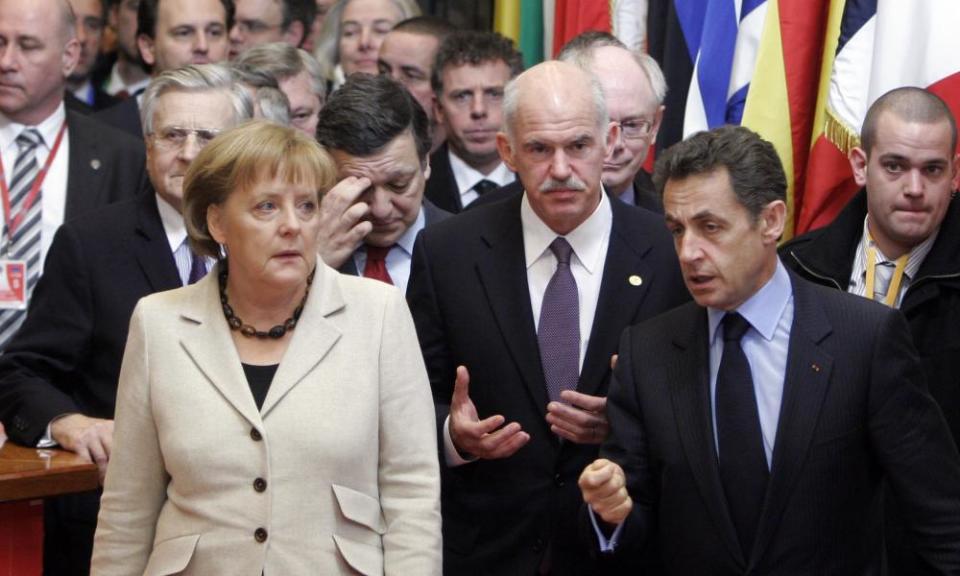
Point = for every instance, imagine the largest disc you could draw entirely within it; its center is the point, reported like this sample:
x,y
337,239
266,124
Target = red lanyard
x,y
14,223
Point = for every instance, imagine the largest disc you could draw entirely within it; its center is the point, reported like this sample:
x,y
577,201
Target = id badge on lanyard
x,y
13,272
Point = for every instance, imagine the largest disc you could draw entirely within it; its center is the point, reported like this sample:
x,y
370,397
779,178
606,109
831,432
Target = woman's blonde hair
x,y
256,151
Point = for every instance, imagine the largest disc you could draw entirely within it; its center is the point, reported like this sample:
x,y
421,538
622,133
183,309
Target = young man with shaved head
x,y
519,305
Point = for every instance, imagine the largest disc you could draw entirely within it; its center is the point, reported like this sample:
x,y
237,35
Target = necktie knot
x,y
377,253
484,186
734,327
562,250
29,139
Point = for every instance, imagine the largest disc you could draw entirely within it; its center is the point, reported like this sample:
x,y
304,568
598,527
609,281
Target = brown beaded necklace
x,y
236,323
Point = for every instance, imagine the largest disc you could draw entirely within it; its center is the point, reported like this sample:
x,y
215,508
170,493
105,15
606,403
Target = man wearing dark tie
x,y
518,305
750,431
58,377
470,72
379,137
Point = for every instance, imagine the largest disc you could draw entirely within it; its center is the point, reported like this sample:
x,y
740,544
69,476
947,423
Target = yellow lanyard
x,y
894,288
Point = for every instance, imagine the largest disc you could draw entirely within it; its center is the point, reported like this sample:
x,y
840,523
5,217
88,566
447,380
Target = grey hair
x,y
195,78
580,52
327,50
273,104
282,61
511,103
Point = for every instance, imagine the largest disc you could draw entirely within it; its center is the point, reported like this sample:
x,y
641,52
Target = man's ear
x,y
146,46
858,162
773,219
505,149
71,57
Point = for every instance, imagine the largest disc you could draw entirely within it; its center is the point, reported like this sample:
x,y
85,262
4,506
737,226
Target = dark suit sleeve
x,y
912,443
36,367
627,446
428,319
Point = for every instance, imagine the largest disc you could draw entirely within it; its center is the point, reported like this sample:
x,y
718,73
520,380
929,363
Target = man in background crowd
x,y
264,21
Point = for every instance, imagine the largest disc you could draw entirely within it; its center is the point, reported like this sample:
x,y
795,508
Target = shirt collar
x,y
917,254
587,239
48,128
406,241
467,177
173,225
762,310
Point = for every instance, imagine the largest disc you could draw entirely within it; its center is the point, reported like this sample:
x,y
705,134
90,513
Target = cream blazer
x,y
337,474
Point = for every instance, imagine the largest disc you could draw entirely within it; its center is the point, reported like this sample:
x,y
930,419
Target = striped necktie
x,y
24,244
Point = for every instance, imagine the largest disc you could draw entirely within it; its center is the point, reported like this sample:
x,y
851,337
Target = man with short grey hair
x,y
519,305
297,73
58,377
635,88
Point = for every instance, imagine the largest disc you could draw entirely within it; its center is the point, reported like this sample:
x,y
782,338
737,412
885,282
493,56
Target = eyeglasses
x,y
635,128
173,138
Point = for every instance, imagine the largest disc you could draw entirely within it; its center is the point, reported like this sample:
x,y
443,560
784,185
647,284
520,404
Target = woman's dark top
x,y
259,379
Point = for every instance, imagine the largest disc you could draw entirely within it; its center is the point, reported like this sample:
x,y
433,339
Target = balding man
x,y
58,378
171,34
87,164
260,22
634,88
900,236
518,306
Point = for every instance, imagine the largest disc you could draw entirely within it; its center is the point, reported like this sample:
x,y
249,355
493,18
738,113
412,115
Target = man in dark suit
x,y
634,88
900,234
171,34
87,164
530,362
751,430
379,137
84,95
470,72
258,22
58,377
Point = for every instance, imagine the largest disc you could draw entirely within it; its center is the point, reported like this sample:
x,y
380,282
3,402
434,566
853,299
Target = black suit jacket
x,y
855,409
471,305
101,100
442,187
124,116
66,357
105,165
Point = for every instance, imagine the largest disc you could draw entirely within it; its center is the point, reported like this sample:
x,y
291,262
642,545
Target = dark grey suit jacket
x,y
471,305
855,411
123,116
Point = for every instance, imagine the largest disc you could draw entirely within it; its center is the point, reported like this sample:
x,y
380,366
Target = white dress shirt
x,y
176,231
467,177
858,276
589,241
54,191
399,257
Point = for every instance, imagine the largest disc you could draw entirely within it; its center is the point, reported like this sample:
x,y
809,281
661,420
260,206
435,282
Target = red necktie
x,y
376,266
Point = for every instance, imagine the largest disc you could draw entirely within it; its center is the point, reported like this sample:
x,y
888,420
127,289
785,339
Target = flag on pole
x,y
881,45
522,22
571,17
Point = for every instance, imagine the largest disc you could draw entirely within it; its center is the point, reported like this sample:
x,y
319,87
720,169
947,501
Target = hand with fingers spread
x,y
342,227
91,438
580,418
487,438
604,489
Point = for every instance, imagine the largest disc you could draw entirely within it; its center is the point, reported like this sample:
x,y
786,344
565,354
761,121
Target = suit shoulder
x,y
107,221
95,128
799,242
364,290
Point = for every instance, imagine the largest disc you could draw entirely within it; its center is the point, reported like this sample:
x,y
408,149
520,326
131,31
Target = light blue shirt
x,y
399,257
765,344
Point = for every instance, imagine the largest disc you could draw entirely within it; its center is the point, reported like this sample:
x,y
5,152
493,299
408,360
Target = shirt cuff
x,y
47,441
606,545
450,453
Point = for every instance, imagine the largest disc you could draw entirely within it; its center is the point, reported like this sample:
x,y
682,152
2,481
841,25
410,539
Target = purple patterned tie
x,y
198,268
559,329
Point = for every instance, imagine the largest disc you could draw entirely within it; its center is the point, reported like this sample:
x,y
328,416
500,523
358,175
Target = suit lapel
x,y
503,277
85,168
805,386
152,250
689,374
211,347
619,298
313,337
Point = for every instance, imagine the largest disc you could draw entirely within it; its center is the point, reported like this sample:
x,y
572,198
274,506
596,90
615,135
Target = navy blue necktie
x,y
743,464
